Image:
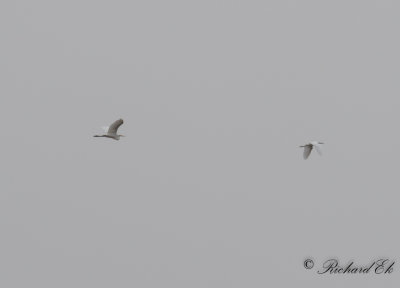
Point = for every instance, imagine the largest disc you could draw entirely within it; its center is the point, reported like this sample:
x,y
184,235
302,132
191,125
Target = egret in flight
x,y
308,147
112,130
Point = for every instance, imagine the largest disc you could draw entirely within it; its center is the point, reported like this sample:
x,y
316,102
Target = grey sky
x,y
209,188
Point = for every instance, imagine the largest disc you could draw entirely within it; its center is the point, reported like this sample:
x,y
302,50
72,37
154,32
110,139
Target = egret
x,y
308,147
112,130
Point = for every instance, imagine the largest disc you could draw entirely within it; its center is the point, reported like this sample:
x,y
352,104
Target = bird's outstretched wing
x,y
114,126
318,148
307,151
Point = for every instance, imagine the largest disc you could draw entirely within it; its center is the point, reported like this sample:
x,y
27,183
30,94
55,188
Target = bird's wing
x,y
307,151
318,148
114,126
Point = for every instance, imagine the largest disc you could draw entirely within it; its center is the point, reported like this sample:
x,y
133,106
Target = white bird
x,y
308,147
112,130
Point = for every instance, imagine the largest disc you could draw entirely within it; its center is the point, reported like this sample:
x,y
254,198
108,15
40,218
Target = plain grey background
x,y
209,188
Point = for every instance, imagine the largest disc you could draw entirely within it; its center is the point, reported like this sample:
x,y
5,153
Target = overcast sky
x,y
209,187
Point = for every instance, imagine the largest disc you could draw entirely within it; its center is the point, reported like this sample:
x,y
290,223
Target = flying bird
x,y
112,130
308,147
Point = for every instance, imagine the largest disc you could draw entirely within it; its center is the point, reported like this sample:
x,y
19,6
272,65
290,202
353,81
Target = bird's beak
x,y
122,135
